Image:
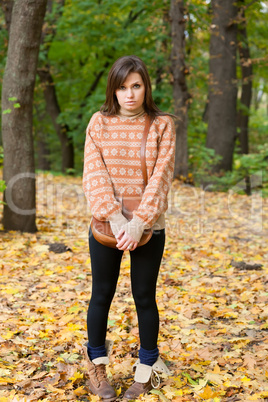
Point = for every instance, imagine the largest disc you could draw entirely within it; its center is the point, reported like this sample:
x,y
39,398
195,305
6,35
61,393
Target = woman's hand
x,y
125,241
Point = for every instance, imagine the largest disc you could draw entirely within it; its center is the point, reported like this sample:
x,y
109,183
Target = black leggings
x,y
105,265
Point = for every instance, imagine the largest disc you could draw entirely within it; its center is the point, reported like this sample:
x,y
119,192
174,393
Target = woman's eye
x,y
122,87
137,86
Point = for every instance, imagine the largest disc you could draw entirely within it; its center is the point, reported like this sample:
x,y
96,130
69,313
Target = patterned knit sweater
x,y
112,166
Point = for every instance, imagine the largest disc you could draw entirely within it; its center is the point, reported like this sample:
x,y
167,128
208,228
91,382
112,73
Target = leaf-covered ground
x,y
212,296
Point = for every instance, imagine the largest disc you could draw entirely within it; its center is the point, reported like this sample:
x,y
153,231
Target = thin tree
x,y
247,73
180,91
17,108
7,6
49,89
222,82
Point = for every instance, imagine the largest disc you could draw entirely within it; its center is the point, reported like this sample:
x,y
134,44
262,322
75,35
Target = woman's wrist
x,y
116,222
134,228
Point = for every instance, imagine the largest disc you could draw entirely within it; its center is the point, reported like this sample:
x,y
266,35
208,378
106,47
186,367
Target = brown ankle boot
x,y
97,377
138,388
146,378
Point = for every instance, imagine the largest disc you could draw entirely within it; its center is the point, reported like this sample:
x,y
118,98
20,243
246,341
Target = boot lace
x,y
155,379
100,373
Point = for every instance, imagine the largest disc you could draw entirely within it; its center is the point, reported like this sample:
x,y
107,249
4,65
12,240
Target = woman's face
x,y
131,94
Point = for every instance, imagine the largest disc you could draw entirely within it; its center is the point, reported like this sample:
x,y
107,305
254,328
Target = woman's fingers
x,y
119,234
126,242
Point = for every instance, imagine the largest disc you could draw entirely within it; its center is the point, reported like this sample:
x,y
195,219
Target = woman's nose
x,y
129,93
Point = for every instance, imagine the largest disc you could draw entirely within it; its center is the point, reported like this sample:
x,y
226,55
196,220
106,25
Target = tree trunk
x,y
180,92
18,90
52,105
43,162
247,72
222,83
53,109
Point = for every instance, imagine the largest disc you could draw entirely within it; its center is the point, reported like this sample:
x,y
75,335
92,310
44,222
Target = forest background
x,y
80,41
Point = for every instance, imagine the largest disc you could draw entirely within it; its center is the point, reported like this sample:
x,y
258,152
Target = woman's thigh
x,y
105,266
145,264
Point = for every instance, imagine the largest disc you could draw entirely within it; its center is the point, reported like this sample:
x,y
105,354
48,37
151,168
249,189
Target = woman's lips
x,y
130,102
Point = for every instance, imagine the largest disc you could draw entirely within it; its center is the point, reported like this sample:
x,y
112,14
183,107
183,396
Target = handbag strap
x,y
148,122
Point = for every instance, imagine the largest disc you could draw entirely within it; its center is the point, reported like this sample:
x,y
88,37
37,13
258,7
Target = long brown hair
x,y
118,73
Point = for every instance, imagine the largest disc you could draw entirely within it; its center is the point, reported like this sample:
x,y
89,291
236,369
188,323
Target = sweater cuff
x,y
135,228
117,221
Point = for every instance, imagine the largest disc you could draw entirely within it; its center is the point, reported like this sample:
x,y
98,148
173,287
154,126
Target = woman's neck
x,y
131,114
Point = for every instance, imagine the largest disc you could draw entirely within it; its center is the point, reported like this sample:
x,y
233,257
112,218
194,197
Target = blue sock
x,y
148,357
93,353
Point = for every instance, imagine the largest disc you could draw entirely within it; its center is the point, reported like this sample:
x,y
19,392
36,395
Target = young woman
x,y
112,167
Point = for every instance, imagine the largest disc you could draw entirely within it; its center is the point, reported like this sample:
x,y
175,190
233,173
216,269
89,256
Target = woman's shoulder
x,y
164,120
96,121
95,117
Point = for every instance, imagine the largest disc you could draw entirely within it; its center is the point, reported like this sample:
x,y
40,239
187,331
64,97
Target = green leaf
x,y
16,105
7,111
2,186
13,99
159,393
191,381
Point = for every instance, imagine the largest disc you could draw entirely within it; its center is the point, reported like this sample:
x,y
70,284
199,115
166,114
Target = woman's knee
x,y
144,299
102,296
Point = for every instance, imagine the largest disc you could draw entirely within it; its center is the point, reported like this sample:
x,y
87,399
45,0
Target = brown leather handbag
x,y
101,230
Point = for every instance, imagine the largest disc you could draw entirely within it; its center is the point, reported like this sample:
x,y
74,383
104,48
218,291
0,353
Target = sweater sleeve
x,y
97,184
154,200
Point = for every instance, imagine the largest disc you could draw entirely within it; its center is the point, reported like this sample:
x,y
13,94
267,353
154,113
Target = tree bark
x,y
18,89
246,94
53,110
180,91
222,83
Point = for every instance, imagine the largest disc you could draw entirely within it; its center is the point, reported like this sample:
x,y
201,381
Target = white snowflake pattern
x,y
130,190
106,152
131,136
123,152
114,120
138,172
123,135
98,164
131,153
114,171
114,135
94,183
102,180
130,172
114,152
122,171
